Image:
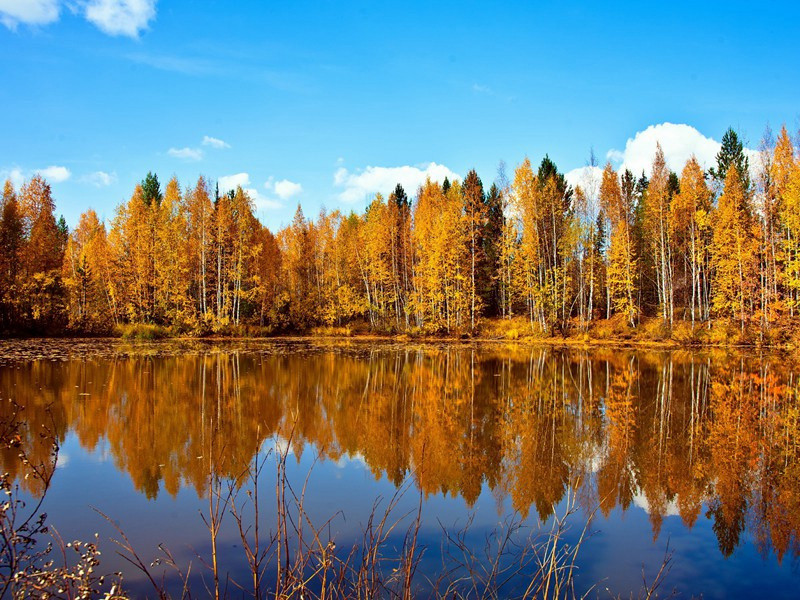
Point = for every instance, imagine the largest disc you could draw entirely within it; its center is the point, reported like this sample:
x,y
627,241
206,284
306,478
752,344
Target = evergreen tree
x,y
151,189
489,286
400,198
732,153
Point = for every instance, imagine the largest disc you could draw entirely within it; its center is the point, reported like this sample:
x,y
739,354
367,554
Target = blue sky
x,y
325,103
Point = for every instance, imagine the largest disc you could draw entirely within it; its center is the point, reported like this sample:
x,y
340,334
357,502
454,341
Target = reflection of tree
x,y
733,445
672,430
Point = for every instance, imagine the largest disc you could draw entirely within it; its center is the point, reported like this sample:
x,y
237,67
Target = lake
x,y
688,455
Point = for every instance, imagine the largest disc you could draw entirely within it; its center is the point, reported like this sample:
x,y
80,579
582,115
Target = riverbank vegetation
x,y
691,257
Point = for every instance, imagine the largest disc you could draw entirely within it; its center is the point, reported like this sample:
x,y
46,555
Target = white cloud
x,y
587,177
679,143
14,174
99,178
121,17
17,175
358,186
284,189
229,183
55,174
215,142
191,154
30,12
114,17
262,202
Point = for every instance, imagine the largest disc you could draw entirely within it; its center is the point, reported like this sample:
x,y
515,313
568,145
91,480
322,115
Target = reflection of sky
x,y
344,492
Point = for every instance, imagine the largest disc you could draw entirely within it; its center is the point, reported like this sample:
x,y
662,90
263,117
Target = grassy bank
x,y
651,332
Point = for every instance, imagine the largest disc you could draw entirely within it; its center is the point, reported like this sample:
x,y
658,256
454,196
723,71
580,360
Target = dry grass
x,y
298,557
516,328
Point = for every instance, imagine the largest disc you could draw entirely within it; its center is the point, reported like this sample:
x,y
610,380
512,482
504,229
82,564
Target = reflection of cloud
x,y
351,459
277,444
63,460
670,510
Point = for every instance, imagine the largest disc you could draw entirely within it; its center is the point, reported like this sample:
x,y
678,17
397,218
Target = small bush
x,y
653,330
684,333
617,327
140,331
331,331
509,329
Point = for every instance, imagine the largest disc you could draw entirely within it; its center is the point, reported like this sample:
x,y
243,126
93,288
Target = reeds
x,y
299,558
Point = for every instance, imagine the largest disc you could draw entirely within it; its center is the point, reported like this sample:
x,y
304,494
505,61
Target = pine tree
x,y
732,153
151,189
475,220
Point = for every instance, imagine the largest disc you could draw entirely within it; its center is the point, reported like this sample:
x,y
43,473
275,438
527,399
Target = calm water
x,y
698,452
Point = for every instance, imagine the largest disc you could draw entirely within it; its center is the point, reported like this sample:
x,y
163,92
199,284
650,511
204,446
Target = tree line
x,y
699,247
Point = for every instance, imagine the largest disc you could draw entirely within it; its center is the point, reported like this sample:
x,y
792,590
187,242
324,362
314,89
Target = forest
x,y
696,256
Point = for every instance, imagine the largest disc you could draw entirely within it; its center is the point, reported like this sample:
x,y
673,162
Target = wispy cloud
x,y
215,142
177,64
99,179
187,154
13,174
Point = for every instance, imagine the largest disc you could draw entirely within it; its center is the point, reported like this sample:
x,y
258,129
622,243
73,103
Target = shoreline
x,y
410,340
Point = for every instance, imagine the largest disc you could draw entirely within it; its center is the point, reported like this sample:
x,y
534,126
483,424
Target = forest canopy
x,y
696,247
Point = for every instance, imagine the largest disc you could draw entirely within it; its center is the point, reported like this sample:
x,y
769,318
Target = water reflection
x,y
677,433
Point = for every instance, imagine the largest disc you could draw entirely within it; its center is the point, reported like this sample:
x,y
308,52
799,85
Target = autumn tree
x,y
12,247
42,291
790,218
621,254
86,274
656,215
199,209
544,202
733,251
690,231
